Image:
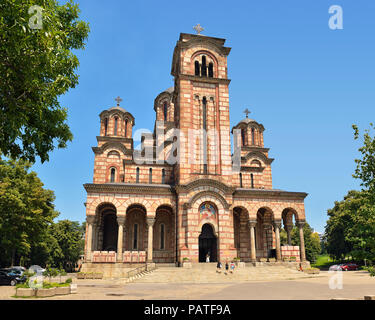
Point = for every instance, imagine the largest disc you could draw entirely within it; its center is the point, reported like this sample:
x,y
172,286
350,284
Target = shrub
x,y
371,270
23,285
69,280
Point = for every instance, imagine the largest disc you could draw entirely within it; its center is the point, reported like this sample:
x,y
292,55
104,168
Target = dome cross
x,y
247,112
118,100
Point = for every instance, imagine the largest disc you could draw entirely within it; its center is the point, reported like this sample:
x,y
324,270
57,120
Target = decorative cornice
x,y
114,139
198,40
254,148
131,188
114,145
123,114
203,183
252,169
251,123
191,77
254,154
254,193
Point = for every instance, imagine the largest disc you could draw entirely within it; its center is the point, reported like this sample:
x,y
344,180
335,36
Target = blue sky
x,y
307,84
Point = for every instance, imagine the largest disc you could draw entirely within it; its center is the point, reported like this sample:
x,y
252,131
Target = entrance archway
x,y
207,244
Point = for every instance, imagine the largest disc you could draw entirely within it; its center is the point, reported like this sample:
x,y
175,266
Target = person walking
x,y
226,267
232,266
218,267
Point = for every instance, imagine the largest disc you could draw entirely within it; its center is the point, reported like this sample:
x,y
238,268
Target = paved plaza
x,y
356,285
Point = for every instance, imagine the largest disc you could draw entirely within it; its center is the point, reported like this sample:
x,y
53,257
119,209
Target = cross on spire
x,y
198,28
118,99
247,112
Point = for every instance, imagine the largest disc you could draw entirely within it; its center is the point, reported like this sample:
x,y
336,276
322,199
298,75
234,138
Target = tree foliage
x,y
26,210
28,233
36,67
350,229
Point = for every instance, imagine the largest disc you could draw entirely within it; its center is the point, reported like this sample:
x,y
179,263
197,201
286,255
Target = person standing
x,y
208,257
226,267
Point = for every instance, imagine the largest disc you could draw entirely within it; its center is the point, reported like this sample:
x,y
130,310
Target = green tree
x,y
363,232
36,67
68,237
340,221
311,239
26,211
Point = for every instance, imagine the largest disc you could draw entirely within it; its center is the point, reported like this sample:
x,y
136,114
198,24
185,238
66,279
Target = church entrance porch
x,y
207,244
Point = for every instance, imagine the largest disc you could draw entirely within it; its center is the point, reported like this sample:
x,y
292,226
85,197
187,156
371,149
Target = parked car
x,y
335,267
10,278
349,266
36,269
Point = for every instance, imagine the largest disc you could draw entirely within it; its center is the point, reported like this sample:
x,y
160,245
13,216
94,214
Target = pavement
x,y
324,286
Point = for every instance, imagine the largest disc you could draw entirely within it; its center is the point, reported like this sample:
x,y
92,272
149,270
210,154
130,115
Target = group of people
x,y
227,266
219,266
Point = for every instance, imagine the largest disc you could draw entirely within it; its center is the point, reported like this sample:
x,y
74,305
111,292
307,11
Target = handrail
x,y
140,269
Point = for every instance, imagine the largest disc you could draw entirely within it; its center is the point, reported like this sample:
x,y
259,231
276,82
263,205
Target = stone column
x,y
120,237
253,254
90,221
288,229
277,226
300,225
150,223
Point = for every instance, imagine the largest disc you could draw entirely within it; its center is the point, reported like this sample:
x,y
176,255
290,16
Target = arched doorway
x,y
110,229
207,244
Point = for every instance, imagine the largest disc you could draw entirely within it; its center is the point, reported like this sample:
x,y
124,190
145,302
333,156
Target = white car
x,y
335,267
36,269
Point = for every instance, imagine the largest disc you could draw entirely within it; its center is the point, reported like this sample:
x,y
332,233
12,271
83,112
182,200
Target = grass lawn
x,y
323,262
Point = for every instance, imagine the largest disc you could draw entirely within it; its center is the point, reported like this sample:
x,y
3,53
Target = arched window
x,y
243,136
115,130
135,236
126,127
252,180
165,111
253,136
105,126
197,67
162,236
113,174
211,70
163,176
137,175
150,176
240,180
204,67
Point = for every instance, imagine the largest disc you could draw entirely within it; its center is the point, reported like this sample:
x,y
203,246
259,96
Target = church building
x,y
183,196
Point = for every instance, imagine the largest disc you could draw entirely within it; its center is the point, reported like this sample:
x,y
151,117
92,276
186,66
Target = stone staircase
x,y
138,276
206,273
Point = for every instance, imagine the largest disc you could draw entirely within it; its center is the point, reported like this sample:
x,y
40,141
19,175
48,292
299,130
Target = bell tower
x,y
201,102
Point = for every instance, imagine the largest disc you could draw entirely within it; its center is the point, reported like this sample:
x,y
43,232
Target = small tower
x,y
116,122
255,172
115,144
251,132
